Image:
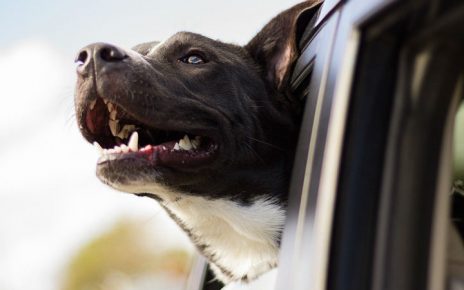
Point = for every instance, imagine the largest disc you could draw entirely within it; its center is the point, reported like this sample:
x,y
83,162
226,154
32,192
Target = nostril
x,y
96,56
112,54
81,57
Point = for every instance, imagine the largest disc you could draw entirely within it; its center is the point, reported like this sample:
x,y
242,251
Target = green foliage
x,y
125,251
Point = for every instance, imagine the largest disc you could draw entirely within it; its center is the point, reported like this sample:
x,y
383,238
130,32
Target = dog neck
x,y
241,240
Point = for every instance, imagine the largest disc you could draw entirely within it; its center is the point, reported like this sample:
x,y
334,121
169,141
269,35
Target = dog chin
x,y
141,184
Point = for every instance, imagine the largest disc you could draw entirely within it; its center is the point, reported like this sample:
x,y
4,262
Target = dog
x,y
206,128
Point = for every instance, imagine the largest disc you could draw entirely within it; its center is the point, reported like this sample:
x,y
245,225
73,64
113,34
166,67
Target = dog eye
x,y
193,59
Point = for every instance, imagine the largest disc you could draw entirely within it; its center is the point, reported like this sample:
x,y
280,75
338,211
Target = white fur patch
x,y
264,282
242,238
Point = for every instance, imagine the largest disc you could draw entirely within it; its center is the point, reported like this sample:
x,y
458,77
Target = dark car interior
x,y
377,192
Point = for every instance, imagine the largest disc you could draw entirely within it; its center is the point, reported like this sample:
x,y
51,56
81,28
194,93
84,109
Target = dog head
x,y
197,117
225,106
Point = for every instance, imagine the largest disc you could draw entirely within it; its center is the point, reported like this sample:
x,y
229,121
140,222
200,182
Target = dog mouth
x,y
119,136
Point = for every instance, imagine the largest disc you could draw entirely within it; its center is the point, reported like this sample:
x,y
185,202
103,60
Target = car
x,y
376,183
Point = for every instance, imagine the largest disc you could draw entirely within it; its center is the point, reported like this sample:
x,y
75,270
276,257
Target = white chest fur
x,y
241,241
240,238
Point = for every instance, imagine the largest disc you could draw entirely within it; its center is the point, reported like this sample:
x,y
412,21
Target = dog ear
x,y
144,48
275,47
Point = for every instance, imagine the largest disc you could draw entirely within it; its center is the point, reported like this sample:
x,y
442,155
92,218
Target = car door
x,y
371,203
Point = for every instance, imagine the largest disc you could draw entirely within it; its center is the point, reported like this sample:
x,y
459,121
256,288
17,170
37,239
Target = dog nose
x,y
100,53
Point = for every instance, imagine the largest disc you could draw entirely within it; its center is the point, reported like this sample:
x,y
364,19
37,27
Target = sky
x,y
50,200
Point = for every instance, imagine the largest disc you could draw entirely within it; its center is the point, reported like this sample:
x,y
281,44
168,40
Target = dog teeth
x,y
124,148
113,115
132,146
196,142
113,122
121,135
185,143
98,148
126,131
134,142
114,127
92,104
112,110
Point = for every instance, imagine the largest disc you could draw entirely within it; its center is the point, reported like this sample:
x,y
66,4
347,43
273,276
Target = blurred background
x,y
60,228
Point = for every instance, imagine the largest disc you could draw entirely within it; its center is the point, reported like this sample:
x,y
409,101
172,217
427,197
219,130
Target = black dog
x,y
206,128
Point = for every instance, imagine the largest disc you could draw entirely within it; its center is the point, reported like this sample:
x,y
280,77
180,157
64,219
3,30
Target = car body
x,y
369,203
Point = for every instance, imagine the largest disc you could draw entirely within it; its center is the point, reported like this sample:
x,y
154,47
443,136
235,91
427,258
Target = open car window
x,y
376,199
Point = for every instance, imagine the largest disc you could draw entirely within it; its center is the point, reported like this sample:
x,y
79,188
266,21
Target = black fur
x,y
239,97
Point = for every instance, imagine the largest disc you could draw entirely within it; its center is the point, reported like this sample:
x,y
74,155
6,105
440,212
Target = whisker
x,y
70,119
265,143
254,153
